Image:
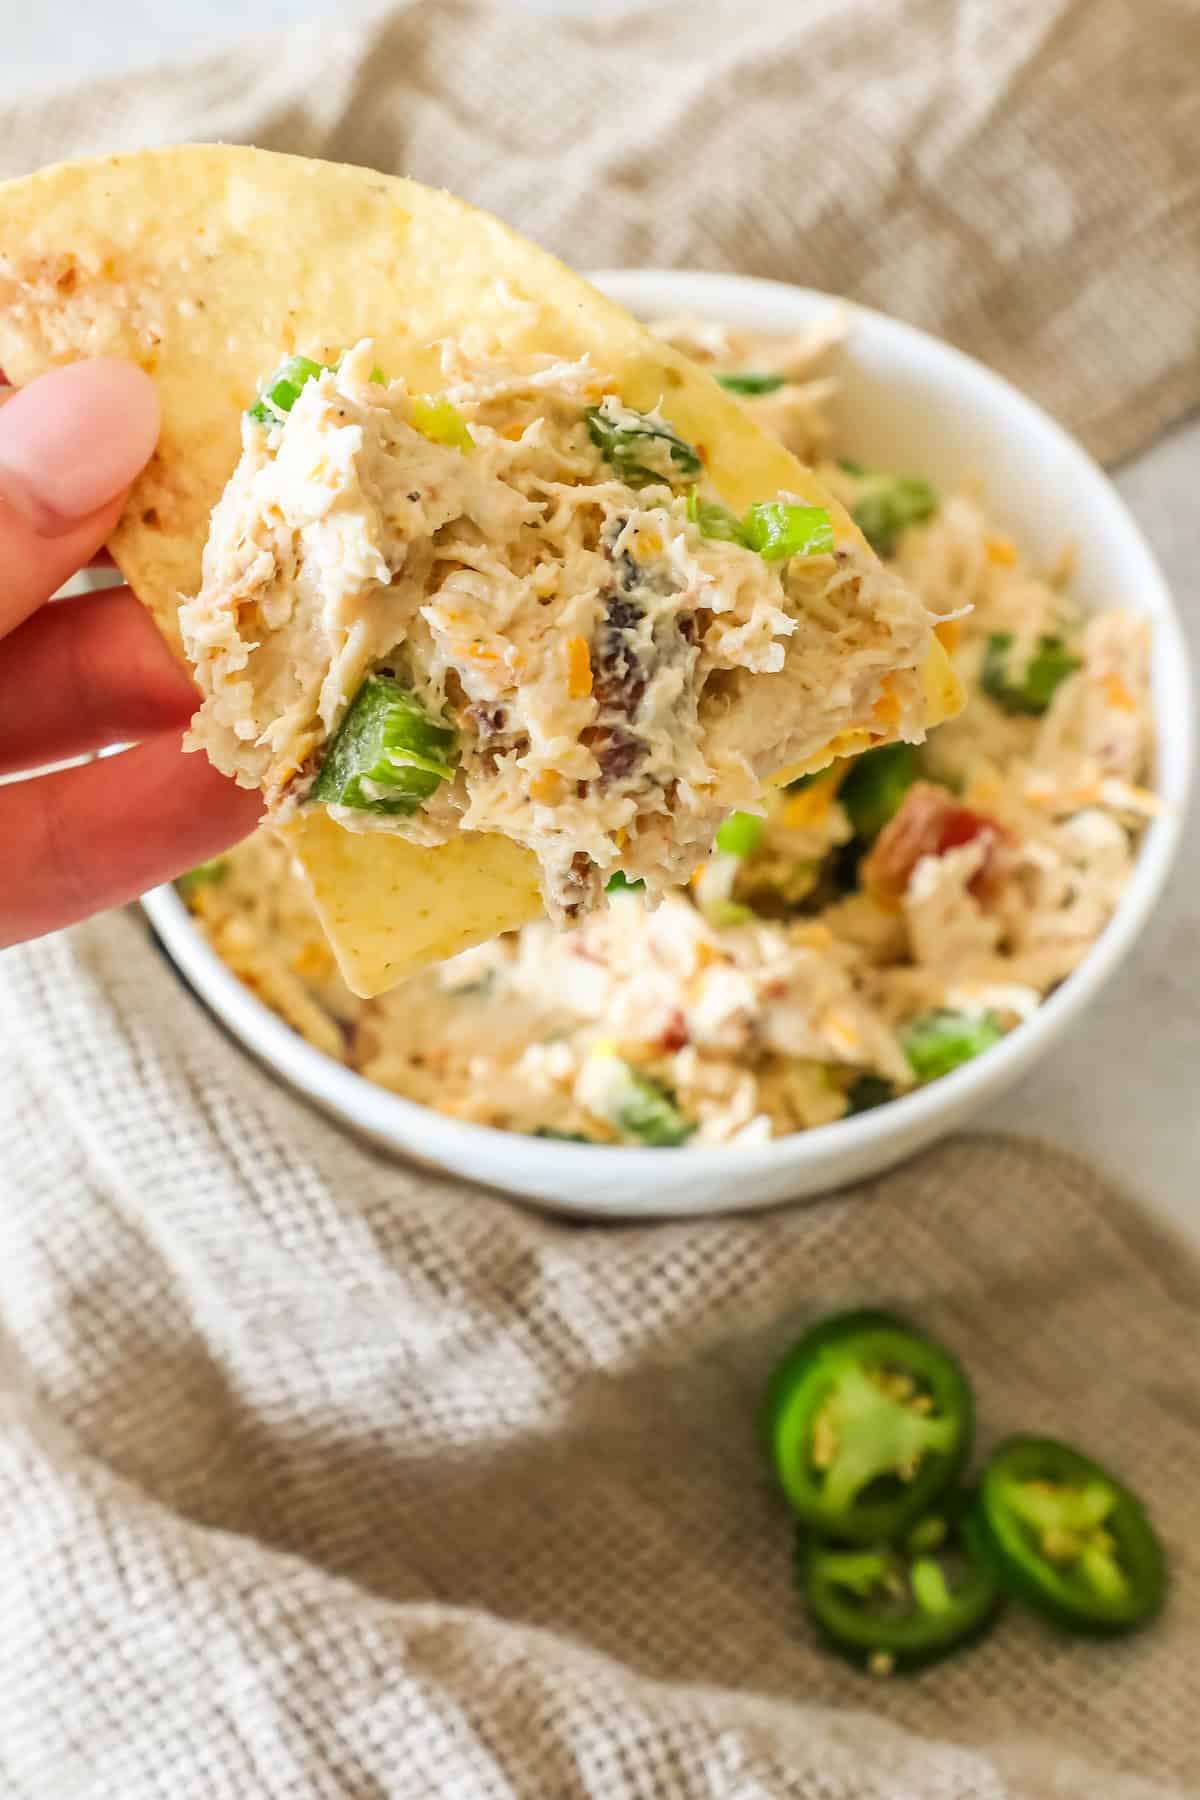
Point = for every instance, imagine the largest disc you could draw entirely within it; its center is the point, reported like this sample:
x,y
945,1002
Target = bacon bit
x,y
948,633
546,787
1117,694
579,668
929,823
887,708
1001,550
675,1033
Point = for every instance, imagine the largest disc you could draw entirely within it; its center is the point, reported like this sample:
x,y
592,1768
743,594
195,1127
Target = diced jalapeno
x,y
283,390
645,1110
886,510
629,440
1031,690
388,755
205,874
751,382
779,528
875,785
940,1041
741,834
773,529
714,520
866,1092
436,419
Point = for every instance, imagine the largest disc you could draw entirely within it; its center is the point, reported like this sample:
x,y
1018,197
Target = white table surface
x,y
1123,1088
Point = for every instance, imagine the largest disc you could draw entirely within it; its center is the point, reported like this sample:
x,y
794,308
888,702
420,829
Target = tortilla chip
x,y
205,264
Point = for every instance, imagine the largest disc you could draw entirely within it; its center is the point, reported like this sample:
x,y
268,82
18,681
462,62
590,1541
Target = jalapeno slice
x,y
899,1607
1069,1538
867,1422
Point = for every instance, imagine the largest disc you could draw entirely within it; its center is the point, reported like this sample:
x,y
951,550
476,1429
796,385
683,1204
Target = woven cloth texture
x,y
321,1476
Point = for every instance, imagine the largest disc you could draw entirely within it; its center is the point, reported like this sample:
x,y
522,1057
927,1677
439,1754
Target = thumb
x,y
73,440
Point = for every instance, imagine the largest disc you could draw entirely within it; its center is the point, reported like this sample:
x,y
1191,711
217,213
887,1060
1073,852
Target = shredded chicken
x,y
774,992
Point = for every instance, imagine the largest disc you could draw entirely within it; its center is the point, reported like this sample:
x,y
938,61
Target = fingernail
x,y
74,439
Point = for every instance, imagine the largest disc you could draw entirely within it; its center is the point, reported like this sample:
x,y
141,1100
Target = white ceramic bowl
x,y
906,402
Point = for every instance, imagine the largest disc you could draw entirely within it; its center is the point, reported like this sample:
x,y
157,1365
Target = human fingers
x,y
70,445
98,835
84,673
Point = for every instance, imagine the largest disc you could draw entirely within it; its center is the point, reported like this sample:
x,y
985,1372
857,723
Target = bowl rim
x,y
364,1104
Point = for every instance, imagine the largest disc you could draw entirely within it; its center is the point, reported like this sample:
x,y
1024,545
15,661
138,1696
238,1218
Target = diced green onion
x,y
866,1092
436,419
283,390
848,464
388,755
886,511
714,520
741,834
1032,691
942,1040
619,883
377,376
746,381
562,1137
645,1110
875,786
780,528
205,874
626,446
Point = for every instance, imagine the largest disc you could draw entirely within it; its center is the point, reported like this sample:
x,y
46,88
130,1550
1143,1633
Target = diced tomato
x,y
675,1033
930,822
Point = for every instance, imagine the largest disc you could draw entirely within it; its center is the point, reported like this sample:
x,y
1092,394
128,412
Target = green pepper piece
x,y
283,390
748,381
779,528
205,874
886,511
875,785
866,1092
867,1421
1069,1538
619,883
741,834
388,754
1032,691
644,1109
942,1040
625,438
895,1609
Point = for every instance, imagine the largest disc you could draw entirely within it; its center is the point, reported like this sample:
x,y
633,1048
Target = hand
x,y
89,671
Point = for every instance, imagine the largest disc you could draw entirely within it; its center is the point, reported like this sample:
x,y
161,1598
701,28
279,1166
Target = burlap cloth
x,y
321,1477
